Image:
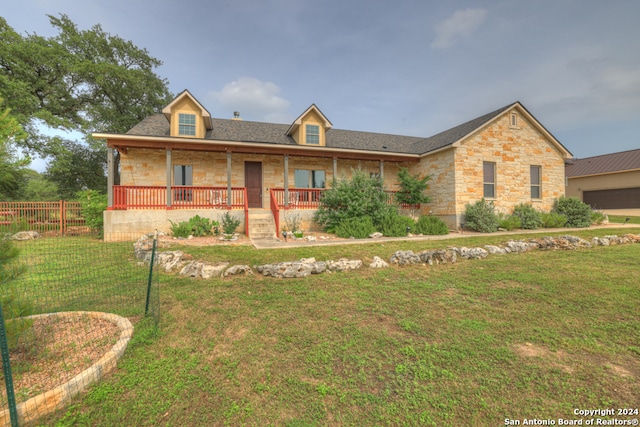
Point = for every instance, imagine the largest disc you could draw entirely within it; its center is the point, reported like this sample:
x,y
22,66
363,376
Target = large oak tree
x,y
79,80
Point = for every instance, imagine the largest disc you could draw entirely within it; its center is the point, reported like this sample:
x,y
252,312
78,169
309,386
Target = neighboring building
x,y
610,181
183,162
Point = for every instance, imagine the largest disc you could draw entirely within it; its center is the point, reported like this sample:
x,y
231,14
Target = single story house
x,y
609,181
183,162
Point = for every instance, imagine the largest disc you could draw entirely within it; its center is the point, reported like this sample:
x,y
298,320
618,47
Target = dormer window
x,y
313,134
187,124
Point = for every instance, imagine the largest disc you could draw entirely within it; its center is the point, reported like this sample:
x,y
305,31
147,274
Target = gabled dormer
x,y
310,128
188,118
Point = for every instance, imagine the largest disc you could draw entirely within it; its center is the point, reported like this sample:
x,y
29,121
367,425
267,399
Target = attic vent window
x,y
514,120
187,124
313,134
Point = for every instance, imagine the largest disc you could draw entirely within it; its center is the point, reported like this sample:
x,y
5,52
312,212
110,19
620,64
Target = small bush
x,y
433,225
529,216
354,198
229,223
359,228
598,217
509,222
553,220
577,212
292,223
481,216
93,204
395,225
196,226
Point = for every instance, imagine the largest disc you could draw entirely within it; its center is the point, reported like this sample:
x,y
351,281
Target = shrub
x,y
196,226
93,204
428,224
395,225
509,222
355,227
598,217
553,220
481,216
361,196
578,213
529,216
292,223
412,188
229,223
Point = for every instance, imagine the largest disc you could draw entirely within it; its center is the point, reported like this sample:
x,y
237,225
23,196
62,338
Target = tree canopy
x,y
12,167
78,80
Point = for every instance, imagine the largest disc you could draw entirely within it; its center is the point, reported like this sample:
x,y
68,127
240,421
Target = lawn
x,y
473,343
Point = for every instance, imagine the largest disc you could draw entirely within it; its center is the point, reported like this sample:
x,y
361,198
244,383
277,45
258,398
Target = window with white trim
x,y
489,179
313,134
536,185
513,120
187,124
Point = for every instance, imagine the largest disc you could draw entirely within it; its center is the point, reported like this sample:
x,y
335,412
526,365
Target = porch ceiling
x,y
123,144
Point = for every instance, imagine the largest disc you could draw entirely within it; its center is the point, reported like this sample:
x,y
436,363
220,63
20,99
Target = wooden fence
x,y
61,217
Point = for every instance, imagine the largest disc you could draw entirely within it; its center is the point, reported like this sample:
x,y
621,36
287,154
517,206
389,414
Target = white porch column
x,y
335,168
169,167
229,194
286,180
382,170
110,173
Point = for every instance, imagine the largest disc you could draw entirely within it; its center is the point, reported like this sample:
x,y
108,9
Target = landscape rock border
x,y
52,400
178,260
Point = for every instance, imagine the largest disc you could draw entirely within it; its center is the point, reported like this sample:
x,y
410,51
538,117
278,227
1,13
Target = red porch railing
x,y
309,198
61,217
182,197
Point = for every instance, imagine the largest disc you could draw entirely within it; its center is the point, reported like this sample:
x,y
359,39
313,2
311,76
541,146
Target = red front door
x,y
253,183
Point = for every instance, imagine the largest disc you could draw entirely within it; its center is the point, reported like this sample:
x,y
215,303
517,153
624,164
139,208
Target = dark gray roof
x,y
606,163
272,133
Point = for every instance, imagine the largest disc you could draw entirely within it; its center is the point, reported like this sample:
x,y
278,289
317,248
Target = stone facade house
x,y
183,162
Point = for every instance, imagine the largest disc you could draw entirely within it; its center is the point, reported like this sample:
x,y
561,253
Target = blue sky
x,y
410,67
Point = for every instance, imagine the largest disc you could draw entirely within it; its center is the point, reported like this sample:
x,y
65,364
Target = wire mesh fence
x,y
69,305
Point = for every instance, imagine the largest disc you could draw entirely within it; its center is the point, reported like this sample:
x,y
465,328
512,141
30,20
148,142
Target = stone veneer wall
x,y
513,150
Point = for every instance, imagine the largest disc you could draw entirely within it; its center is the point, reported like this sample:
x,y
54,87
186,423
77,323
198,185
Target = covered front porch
x,y
184,183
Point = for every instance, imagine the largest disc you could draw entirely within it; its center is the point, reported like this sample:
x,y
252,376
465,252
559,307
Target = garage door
x,y
621,198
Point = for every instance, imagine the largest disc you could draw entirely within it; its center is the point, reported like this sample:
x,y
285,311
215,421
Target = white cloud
x,y
254,99
462,24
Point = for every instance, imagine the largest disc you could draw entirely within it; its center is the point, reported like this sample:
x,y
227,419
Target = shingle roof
x,y
606,163
272,133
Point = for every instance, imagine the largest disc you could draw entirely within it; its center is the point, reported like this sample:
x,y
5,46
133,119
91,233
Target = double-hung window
x,y
313,134
187,124
536,188
489,179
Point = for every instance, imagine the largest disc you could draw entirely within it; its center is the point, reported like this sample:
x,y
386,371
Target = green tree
x,y
38,188
78,80
412,189
12,167
77,167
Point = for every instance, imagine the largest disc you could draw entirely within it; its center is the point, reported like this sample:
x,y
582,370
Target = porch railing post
x,y
286,181
169,166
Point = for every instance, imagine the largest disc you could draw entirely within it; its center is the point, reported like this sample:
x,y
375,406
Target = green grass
x,y
514,336
622,218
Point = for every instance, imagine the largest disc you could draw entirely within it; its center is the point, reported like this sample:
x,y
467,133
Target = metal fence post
x,y
6,368
153,254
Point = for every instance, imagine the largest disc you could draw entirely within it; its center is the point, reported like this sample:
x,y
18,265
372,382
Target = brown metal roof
x,y
606,163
